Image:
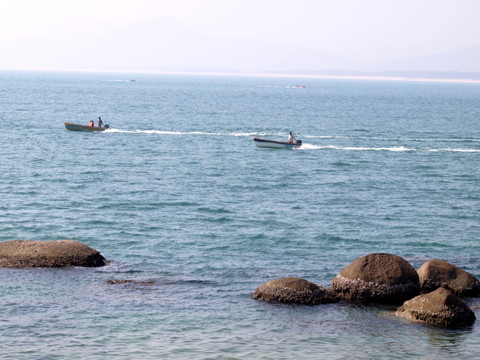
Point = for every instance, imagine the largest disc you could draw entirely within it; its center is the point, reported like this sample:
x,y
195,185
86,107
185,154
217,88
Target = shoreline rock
x,y
377,278
294,290
438,273
439,308
59,253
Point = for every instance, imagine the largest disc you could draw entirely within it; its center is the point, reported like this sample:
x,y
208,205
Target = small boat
x,y
78,127
266,143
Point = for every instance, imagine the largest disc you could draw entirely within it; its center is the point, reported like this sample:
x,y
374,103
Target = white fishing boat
x,y
266,143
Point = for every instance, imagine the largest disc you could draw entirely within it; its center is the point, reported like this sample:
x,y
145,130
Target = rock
x,y
440,308
133,282
377,278
60,253
294,290
438,273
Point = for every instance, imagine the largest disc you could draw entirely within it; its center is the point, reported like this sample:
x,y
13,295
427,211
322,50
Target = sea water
x,y
176,195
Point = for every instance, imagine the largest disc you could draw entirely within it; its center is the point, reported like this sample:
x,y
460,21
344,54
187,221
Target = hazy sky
x,y
365,30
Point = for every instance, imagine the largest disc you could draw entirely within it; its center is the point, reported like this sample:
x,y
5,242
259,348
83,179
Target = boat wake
x,y
380,138
309,146
392,148
205,133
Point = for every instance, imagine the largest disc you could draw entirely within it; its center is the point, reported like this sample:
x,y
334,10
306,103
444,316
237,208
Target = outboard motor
x,y
299,142
107,126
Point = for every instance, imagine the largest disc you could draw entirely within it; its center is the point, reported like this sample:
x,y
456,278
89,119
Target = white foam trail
x,y
307,146
159,132
352,148
457,150
164,132
388,139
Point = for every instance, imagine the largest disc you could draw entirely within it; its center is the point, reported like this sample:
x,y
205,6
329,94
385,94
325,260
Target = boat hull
x,y
78,127
265,143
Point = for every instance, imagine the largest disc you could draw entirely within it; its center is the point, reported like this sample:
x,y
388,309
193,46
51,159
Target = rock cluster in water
x,y
431,295
60,253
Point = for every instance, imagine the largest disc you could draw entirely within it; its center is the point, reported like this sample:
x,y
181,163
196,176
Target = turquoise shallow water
x,y
177,193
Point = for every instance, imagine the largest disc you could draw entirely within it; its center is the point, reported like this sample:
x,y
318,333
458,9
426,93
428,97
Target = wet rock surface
x,y
377,278
294,290
132,282
438,273
439,308
60,253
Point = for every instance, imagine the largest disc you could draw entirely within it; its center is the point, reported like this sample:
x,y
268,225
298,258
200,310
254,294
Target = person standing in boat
x,y
291,139
100,122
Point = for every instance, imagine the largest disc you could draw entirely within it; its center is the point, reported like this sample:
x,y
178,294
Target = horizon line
x,y
268,75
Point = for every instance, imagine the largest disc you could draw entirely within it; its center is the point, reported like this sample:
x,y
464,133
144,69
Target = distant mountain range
x,y
165,44
459,60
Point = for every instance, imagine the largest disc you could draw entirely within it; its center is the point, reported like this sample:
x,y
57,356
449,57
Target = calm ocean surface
x,y
177,193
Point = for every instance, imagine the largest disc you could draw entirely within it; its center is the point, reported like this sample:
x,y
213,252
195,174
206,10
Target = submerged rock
x,y
440,308
294,290
60,253
377,278
133,282
438,273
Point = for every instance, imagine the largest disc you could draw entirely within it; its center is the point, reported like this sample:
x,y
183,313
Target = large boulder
x,y
440,308
377,278
294,290
60,253
438,273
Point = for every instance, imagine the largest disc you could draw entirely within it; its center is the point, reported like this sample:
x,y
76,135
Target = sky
x,y
363,30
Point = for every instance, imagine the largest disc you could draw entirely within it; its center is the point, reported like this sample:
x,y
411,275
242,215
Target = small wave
x,y
214,211
121,80
112,266
441,140
221,220
281,86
